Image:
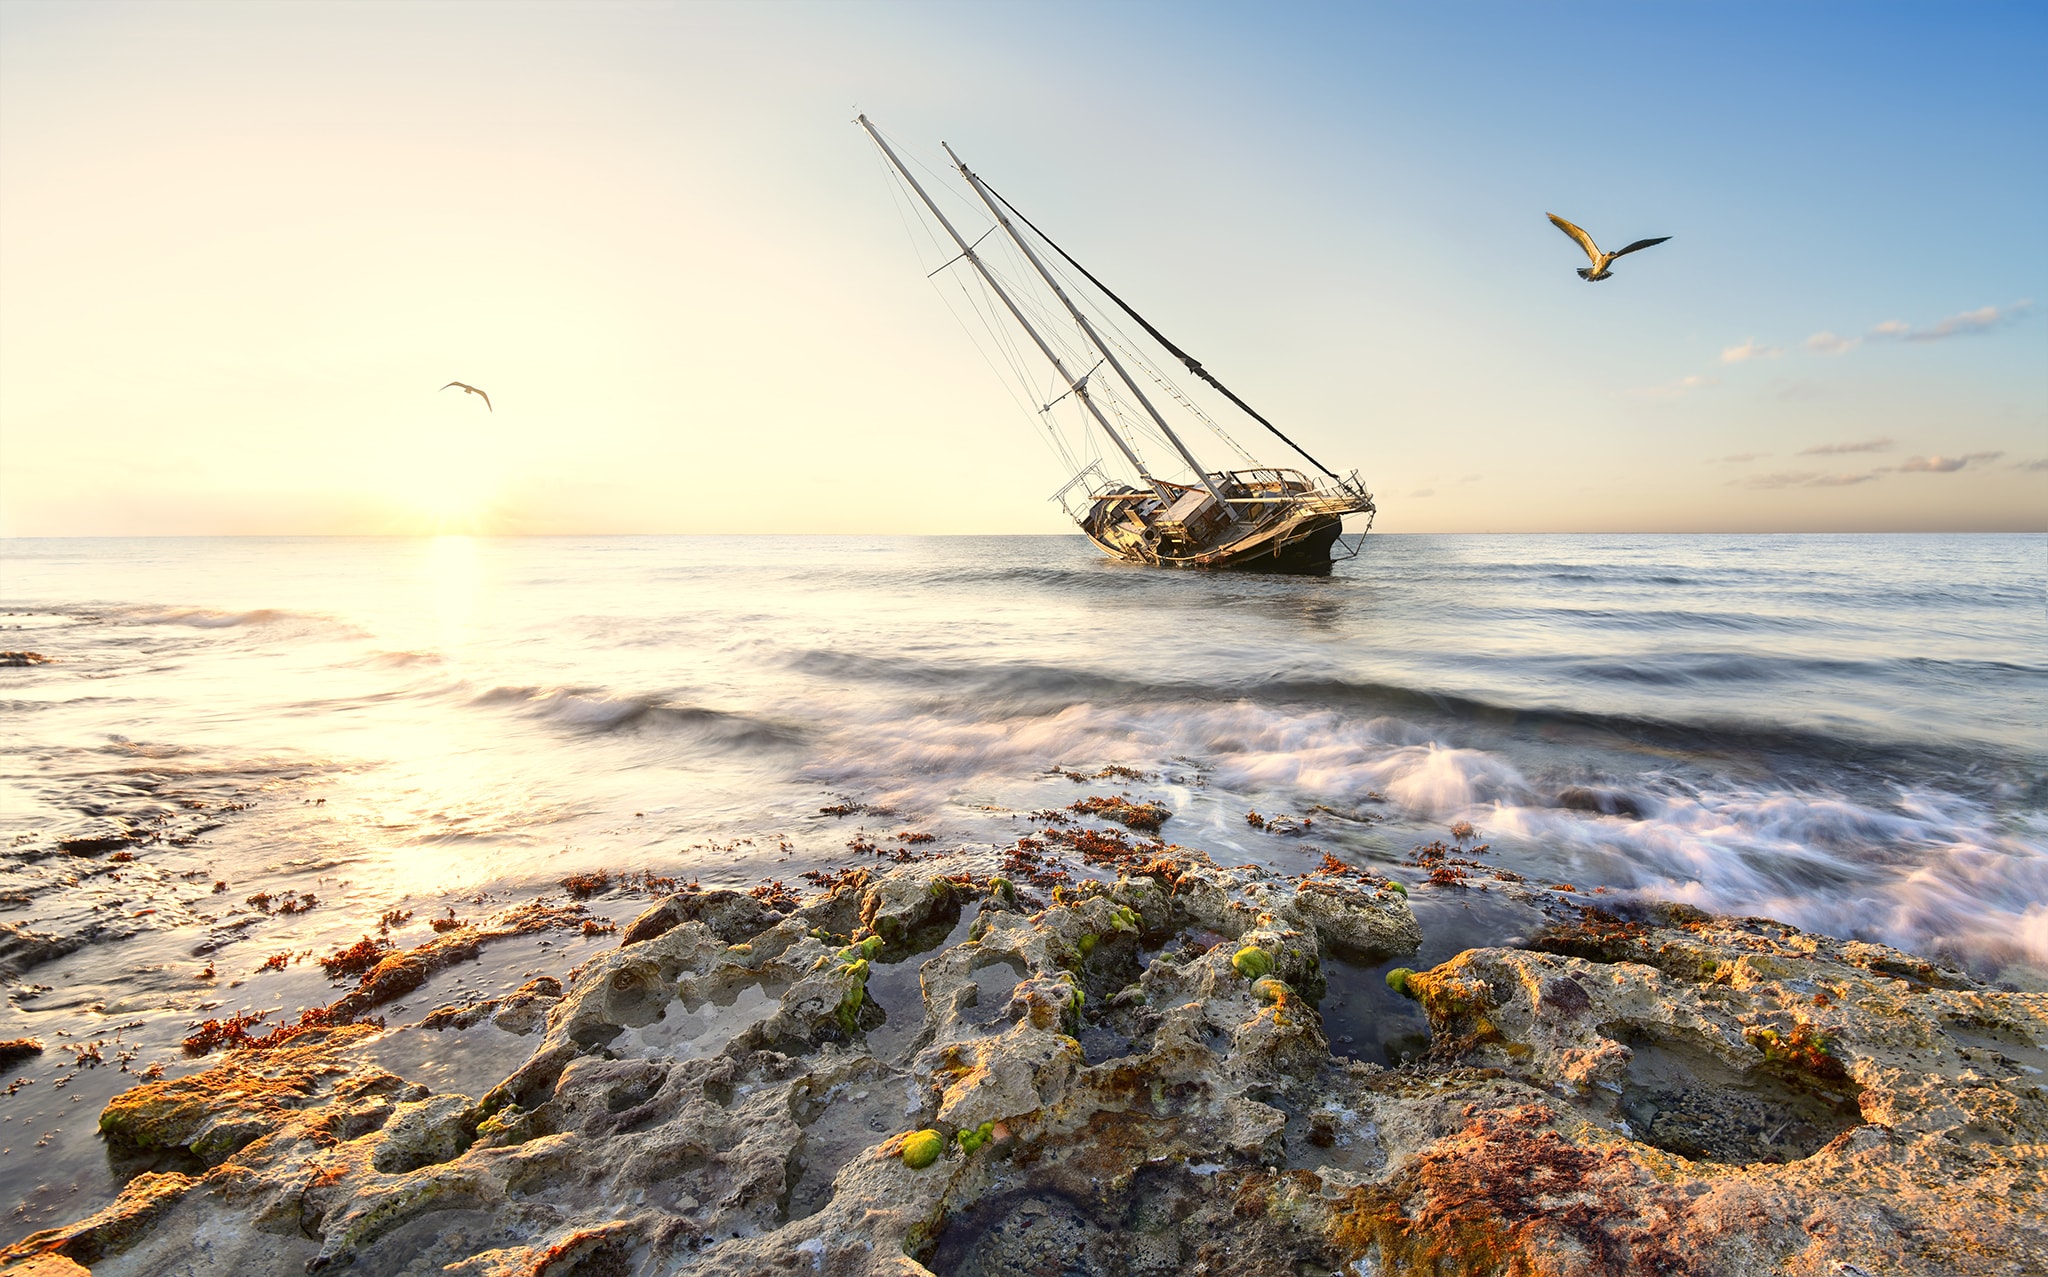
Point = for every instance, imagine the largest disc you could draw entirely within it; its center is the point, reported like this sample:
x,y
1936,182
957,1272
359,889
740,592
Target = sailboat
x,y
1257,518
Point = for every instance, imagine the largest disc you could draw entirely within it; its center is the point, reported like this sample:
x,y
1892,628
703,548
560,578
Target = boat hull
x,y
1301,548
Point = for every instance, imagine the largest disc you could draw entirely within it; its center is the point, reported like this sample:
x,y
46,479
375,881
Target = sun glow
x,y
447,487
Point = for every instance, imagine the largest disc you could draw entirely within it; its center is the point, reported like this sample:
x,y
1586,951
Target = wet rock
x,y
399,974
23,948
48,1265
94,844
1355,918
426,1133
459,1016
526,1008
732,916
214,1114
1603,802
704,1104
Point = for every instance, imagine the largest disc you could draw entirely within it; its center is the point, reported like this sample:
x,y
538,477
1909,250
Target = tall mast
x,y
1088,328
1078,385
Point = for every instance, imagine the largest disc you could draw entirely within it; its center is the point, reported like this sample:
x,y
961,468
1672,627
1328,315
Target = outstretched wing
x,y
1585,241
1641,243
454,383
487,399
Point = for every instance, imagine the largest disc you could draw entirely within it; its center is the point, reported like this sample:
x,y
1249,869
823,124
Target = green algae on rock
x,y
1251,962
922,1148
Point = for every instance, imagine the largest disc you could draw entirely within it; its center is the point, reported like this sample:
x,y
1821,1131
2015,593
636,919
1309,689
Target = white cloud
x,y
1967,324
1842,480
1826,343
1420,493
1835,449
1751,349
2039,463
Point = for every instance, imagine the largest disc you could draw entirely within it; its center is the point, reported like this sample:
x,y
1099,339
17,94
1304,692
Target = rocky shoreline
x,y
1124,1074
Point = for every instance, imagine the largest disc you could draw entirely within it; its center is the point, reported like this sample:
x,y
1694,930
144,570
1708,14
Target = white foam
x,y
1929,871
1932,874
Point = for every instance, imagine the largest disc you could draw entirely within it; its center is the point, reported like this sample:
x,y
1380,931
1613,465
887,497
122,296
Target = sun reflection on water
x,y
451,570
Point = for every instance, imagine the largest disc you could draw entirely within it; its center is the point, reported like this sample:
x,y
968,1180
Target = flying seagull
x,y
1601,261
467,388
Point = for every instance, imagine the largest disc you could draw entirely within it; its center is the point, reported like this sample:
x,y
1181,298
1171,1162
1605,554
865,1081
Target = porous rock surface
x,y
1130,1078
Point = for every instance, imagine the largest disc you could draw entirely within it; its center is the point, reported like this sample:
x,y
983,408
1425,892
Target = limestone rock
x,y
1098,1088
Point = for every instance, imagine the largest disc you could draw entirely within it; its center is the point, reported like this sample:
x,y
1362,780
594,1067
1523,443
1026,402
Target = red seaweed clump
x,y
1504,1190
357,959
211,1035
1597,936
1143,817
585,885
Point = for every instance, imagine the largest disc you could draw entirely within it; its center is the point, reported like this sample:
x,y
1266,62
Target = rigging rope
x,y
1194,365
900,200
984,308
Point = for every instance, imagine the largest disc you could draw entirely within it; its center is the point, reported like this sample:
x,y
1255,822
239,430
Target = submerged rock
x,y
1101,1086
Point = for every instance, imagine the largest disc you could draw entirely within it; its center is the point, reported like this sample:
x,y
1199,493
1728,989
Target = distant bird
x,y
1601,261
487,399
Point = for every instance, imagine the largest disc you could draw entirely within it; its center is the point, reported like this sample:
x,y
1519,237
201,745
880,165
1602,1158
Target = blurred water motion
x,y
1842,732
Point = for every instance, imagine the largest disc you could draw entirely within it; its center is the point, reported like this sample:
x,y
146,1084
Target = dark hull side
x,y
1305,552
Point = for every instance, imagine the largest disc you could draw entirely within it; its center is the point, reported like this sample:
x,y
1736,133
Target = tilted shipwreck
x,y
1261,518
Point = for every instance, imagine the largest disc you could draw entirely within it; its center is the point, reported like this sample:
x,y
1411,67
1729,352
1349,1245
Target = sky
x,y
242,246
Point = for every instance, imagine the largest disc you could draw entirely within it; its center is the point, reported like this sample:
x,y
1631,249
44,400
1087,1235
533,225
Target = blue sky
x,y
244,243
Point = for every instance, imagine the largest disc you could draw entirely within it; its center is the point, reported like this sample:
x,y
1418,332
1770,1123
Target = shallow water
x,y
1843,732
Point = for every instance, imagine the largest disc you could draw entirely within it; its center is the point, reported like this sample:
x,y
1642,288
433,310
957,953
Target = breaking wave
x,y
1927,870
1931,873
596,712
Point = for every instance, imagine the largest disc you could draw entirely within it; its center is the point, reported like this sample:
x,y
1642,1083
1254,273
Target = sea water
x,y
1842,732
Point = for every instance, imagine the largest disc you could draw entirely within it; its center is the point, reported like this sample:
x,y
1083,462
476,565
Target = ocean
x,y
1847,733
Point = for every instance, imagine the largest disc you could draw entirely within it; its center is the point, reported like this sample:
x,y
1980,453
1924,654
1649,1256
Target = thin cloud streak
x,y
1836,449
1946,465
1827,343
1806,479
1783,479
1971,322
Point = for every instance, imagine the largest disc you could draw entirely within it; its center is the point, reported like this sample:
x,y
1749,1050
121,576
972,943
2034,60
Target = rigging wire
x,y
1075,341
900,199
1057,328
1128,345
984,308
1194,365
1119,339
